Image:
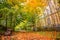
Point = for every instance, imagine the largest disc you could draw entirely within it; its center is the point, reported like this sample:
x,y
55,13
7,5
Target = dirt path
x,y
26,36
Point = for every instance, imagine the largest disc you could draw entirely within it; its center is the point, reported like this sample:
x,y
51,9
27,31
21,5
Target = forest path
x,y
27,36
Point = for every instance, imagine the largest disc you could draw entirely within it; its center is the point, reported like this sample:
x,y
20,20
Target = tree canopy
x,y
20,13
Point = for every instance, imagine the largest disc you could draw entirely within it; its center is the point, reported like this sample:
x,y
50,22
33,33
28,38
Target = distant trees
x,y
18,15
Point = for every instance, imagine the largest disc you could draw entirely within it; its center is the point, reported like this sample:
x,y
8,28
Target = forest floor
x,y
30,36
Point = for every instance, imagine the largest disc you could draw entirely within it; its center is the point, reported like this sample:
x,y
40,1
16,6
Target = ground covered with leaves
x,y
30,36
